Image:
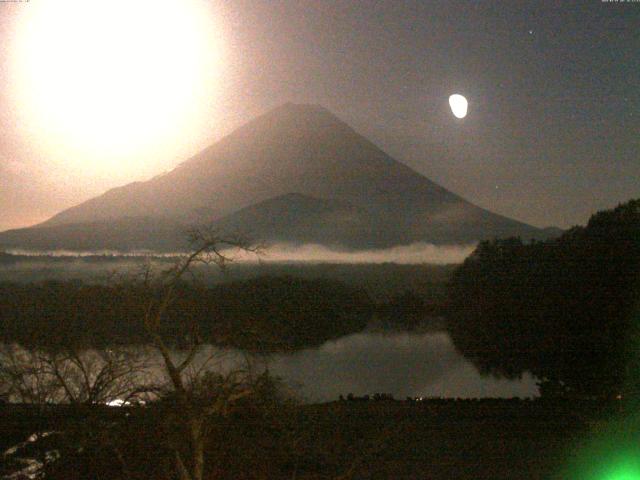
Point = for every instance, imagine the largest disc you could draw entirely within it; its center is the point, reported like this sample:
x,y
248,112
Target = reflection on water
x,y
403,364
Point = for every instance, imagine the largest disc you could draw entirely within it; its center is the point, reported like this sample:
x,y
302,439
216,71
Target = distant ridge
x,y
296,173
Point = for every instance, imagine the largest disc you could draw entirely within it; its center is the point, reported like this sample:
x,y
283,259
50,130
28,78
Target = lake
x,y
401,363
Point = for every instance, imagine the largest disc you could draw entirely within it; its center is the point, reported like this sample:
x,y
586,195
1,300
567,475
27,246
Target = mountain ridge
x,y
300,150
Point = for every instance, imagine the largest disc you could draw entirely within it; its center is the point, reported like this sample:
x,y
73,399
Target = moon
x,y
459,105
108,86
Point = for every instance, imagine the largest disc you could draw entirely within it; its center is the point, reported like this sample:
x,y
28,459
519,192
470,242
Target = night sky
x,y
552,134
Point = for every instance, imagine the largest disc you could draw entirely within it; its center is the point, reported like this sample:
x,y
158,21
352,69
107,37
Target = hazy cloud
x,y
414,253
406,254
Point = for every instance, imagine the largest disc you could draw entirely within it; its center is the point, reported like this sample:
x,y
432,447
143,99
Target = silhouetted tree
x,y
565,310
71,375
194,398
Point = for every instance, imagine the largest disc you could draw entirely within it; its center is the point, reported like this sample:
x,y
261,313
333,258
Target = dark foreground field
x,y
383,439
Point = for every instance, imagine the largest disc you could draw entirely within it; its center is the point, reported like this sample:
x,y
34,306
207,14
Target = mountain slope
x,y
306,150
299,219
294,148
120,235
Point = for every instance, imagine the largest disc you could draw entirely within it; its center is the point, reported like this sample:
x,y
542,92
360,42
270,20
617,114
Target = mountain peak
x,y
306,149
301,108
297,116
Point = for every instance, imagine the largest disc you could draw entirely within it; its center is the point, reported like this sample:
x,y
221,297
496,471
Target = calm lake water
x,y
403,364
399,363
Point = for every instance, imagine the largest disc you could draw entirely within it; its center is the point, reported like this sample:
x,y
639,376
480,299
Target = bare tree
x,y
197,394
67,375
84,375
70,374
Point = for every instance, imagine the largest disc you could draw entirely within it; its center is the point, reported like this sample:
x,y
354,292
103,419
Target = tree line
x,y
70,343
271,313
566,309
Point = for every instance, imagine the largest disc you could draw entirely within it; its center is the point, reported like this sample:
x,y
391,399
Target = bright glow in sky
x,y
458,105
387,71
106,87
